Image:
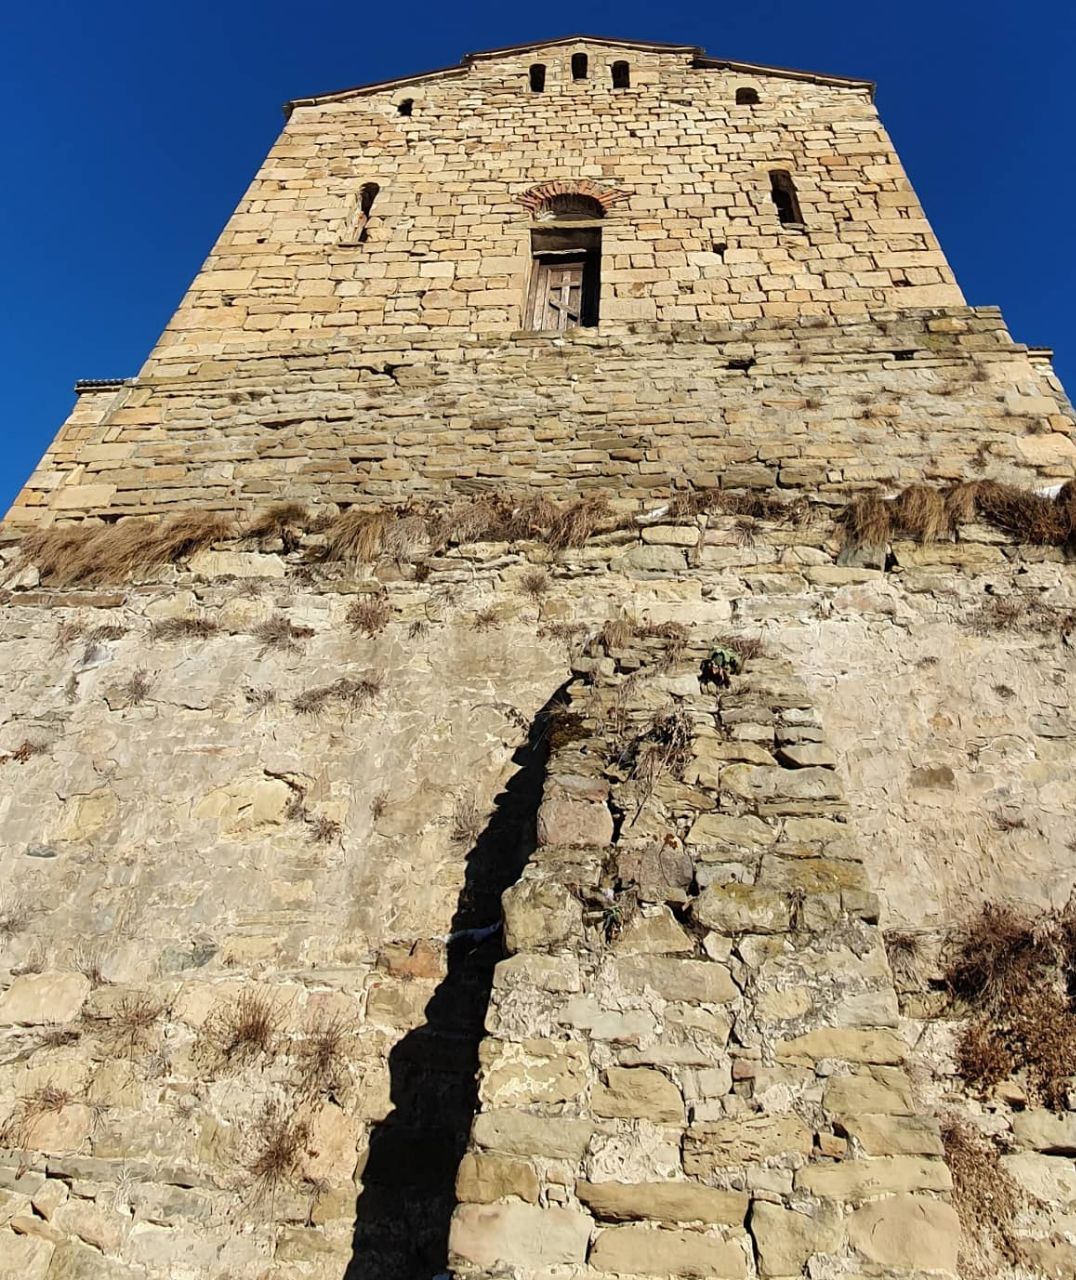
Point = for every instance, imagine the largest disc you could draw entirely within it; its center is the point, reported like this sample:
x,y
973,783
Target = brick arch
x,y
535,197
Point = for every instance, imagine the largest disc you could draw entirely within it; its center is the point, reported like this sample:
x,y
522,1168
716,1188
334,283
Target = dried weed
x,y
369,615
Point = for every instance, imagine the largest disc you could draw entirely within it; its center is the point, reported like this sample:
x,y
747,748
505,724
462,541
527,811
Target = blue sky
x,y
132,130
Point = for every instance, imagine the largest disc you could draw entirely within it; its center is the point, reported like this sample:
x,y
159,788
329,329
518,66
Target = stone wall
x,y
819,408
172,855
692,1066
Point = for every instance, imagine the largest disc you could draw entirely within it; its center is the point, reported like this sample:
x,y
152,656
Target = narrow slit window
x,y
785,200
538,77
579,66
746,97
565,278
361,224
406,107
621,75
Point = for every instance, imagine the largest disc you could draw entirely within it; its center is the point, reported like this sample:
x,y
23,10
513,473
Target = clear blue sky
x,y
132,129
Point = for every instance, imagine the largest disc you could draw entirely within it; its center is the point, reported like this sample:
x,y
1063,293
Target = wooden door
x,y
558,294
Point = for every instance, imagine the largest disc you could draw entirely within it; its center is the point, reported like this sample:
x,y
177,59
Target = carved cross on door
x,y
558,297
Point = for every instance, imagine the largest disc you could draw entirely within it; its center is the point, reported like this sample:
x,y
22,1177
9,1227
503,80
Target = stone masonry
x,y
415,912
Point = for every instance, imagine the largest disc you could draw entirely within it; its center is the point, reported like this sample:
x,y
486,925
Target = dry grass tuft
x,y
183,628
568,632
574,524
26,750
348,693
130,1026
1027,517
920,513
369,615
18,1131
69,555
905,954
240,1030
279,1142
280,633
999,954
486,619
15,914
985,1197
535,583
355,536
468,821
866,523
89,961
134,691
616,633
321,1056
747,647
1014,971
284,521
323,830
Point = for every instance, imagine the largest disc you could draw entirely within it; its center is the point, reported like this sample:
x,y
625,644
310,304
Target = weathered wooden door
x,y
558,294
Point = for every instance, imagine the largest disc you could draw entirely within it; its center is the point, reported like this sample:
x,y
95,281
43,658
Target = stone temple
x,y
389,888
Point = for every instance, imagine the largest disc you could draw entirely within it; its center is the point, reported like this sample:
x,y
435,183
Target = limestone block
x,y
888,1135
542,973
785,1240
670,535
805,755
566,820
518,1133
540,914
694,981
1048,1178
742,908
649,559
654,934
638,1093
757,782
43,997
639,1251
332,1142
235,564
484,1177
25,1257
854,1095
1044,1131
246,805
518,1235
883,1175
97,1226
517,1075
884,1047
662,1201
83,497
917,1232
723,829
398,1004
708,1147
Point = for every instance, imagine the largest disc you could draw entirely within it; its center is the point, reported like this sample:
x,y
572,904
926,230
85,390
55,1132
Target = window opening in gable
x,y
579,66
538,77
565,278
621,75
746,97
405,107
570,205
785,200
361,221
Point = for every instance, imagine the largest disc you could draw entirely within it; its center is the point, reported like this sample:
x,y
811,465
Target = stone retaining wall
x,y
693,1066
805,406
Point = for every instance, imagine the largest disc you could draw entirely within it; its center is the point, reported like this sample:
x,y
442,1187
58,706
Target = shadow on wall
x,y
403,1211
